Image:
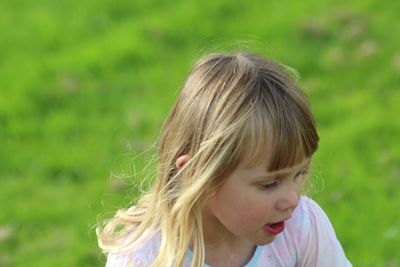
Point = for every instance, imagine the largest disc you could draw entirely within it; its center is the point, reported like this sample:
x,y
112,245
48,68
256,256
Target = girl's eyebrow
x,y
282,172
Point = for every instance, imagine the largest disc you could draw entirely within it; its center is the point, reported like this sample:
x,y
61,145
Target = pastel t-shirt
x,y
308,240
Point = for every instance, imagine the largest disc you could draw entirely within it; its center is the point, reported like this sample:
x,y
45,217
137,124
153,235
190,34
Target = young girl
x,y
234,155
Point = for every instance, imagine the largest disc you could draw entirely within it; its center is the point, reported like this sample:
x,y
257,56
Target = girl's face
x,y
252,204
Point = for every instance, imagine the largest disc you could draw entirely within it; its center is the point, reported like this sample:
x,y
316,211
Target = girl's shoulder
x,y
144,255
307,215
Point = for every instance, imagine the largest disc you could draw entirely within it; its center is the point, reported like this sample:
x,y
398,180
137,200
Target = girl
x,y
234,155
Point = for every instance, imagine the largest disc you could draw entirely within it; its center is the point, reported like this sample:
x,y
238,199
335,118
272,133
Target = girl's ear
x,y
181,161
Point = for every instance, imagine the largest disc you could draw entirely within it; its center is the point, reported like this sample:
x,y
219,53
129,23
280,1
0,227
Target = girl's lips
x,y
275,228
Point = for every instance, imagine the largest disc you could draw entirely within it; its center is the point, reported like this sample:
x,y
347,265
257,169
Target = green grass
x,y
85,86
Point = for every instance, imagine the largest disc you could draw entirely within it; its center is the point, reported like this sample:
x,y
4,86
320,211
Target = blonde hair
x,y
230,107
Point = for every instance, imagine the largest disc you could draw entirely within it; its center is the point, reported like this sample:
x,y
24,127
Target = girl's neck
x,y
221,247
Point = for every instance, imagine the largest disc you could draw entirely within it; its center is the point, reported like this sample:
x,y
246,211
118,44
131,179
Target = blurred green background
x,y
85,86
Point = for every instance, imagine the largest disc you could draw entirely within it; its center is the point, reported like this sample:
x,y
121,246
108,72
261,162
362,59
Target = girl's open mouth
x,y
275,228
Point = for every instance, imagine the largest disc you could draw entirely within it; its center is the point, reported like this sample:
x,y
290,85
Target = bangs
x,y
284,134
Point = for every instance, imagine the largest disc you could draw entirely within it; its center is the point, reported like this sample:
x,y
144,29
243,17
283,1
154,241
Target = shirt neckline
x,y
251,263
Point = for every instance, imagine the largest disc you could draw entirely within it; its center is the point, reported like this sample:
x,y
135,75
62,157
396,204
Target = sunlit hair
x,y
230,108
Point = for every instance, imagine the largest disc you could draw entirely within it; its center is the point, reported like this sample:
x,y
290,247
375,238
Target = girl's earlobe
x,y
181,161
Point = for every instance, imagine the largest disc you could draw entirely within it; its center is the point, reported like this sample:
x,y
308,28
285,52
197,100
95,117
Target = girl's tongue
x,y
275,228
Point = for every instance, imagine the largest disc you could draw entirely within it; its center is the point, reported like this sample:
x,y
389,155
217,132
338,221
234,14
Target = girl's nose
x,y
289,199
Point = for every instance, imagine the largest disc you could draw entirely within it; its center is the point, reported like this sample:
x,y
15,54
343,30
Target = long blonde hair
x,y
230,106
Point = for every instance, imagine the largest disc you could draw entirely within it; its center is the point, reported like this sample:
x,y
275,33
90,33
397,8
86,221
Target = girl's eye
x,y
270,186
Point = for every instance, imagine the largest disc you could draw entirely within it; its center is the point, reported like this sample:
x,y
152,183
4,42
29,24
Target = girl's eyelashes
x,y
270,185
275,183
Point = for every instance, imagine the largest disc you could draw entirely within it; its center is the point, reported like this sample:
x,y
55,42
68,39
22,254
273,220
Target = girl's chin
x,y
266,240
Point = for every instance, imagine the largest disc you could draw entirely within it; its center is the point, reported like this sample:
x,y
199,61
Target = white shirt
x,y
308,240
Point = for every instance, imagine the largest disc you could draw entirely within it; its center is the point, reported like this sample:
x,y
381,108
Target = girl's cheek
x,y
255,214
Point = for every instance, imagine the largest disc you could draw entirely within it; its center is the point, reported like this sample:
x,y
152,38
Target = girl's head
x,y
233,108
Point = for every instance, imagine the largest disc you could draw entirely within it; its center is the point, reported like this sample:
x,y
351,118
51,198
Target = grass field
x,y
85,86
